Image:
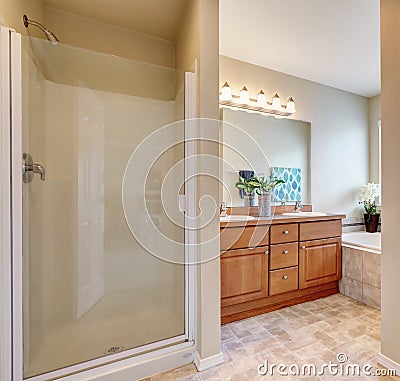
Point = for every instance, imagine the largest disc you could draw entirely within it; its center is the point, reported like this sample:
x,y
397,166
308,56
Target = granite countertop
x,y
280,219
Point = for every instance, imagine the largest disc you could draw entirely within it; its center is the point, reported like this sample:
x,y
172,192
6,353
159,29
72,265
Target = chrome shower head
x,y
49,35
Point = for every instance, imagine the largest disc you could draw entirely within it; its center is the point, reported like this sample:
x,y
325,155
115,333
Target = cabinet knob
x,y
285,251
285,277
267,252
303,247
286,232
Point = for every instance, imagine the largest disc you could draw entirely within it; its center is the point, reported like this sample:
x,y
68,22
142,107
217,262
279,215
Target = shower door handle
x,y
29,169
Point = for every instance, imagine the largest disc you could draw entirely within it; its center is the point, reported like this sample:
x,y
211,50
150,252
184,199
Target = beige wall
x,y
95,35
374,111
11,12
339,131
198,41
390,58
210,342
187,41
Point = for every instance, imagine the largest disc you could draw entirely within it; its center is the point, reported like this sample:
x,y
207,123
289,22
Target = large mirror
x,y
285,144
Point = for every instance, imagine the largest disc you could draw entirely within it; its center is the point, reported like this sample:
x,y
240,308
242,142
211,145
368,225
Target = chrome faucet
x,y
223,210
298,206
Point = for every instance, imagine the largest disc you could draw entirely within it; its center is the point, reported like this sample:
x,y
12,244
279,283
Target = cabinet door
x,y
320,262
244,275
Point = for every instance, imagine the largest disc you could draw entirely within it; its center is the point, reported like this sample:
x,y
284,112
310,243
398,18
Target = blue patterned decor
x,y
291,190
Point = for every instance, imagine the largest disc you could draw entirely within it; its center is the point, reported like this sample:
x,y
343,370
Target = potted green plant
x,y
368,196
264,187
248,187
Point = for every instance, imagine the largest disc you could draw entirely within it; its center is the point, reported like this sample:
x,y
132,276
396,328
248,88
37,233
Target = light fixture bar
x,y
259,105
234,104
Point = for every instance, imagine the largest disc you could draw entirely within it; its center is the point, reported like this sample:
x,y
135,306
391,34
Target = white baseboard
x,y
388,363
208,362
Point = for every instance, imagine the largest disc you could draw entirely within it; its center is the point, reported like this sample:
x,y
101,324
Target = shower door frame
x,y
176,351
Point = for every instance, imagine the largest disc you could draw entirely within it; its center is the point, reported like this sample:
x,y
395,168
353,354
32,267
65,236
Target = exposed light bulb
x,y
244,95
276,102
261,99
290,106
226,94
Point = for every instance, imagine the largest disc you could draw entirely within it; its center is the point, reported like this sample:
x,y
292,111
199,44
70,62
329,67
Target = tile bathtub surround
x,y
361,276
353,224
313,332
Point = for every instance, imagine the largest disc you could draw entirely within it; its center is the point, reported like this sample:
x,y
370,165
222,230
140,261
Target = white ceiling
x,y
333,42
158,18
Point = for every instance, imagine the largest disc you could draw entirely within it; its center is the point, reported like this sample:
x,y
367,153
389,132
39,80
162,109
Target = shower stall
x,y
99,277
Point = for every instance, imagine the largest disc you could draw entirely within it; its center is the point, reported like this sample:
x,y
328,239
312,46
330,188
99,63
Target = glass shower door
x,y
100,200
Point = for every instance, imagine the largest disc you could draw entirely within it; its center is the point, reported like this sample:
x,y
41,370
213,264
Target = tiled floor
x,y
313,333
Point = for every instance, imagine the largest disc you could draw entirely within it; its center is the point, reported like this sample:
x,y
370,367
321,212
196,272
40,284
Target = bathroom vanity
x,y
267,264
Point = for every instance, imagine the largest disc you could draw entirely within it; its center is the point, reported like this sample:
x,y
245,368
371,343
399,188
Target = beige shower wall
x,y
126,121
90,34
52,208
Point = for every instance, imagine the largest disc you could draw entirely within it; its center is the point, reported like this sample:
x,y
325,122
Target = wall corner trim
x,y
387,363
208,362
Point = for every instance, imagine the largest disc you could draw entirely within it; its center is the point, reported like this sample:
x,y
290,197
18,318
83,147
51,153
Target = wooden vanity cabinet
x,y
264,268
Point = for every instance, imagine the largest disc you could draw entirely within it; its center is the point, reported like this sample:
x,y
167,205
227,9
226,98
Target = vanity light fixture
x,y
244,97
226,94
276,102
290,107
261,99
259,105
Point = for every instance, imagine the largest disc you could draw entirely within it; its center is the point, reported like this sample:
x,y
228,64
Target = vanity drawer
x,y
283,280
243,237
284,233
284,255
320,230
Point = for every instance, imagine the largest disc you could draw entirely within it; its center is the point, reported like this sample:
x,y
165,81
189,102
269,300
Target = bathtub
x,y
363,240
361,267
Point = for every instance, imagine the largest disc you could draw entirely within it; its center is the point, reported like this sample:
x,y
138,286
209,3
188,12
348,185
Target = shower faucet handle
x,y
29,169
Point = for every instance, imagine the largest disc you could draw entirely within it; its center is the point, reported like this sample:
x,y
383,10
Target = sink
x,y
236,218
305,214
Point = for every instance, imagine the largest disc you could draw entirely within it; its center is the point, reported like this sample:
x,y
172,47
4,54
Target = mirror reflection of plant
x,y
263,185
247,185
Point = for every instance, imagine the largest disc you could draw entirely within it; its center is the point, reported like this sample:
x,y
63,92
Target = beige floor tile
x,y
313,333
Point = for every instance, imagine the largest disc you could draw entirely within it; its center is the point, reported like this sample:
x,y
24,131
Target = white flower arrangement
x,y
368,195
